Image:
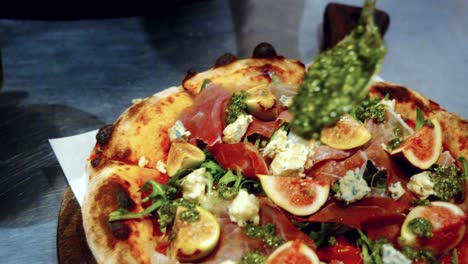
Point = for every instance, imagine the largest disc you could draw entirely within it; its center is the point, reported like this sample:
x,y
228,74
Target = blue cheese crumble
x,y
396,190
234,132
178,132
352,187
290,162
421,185
392,256
194,185
244,208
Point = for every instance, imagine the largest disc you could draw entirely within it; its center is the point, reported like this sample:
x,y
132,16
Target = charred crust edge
x,y
225,59
264,50
104,134
119,230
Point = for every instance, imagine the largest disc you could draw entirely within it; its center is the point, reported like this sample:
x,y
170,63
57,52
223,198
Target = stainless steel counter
x,y
66,77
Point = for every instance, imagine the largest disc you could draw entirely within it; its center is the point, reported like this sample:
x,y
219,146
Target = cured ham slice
x,y
242,157
267,128
324,152
205,119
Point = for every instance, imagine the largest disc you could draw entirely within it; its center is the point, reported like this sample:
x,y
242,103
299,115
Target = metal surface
x,y
66,77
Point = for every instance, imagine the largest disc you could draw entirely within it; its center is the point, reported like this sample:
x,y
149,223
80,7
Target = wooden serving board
x,y
71,241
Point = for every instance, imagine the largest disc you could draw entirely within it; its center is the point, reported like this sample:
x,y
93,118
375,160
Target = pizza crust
x,y
116,186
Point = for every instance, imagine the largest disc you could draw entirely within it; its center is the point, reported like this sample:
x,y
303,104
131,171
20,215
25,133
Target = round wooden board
x,y
71,241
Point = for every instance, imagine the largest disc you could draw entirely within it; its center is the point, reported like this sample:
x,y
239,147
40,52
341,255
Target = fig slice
x,y
448,227
299,196
423,148
194,240
347,133
294,251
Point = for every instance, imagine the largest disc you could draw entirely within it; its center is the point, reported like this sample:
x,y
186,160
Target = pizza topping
x,y
178,132
352,187
194,185
294,251
208,108
194,240
370,109
278,143
183,156
104,134
299,196
161,166
143,161
291,161
396,190
237,106
438,227
264,50
261,103
421,185
254,257
234,132
286,101
347,133
423,148
242,157
244,208
338,77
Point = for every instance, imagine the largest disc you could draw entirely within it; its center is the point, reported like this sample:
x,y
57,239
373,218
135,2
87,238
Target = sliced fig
x,y
194,240
299,196
347,133
423,148
182,156
448,227
261,103
294,251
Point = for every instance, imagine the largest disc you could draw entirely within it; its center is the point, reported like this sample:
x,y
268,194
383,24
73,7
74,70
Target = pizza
x,y
252,190
264,160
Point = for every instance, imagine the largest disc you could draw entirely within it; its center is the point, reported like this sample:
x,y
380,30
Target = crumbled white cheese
x,y
396,190
244,208
290,162
194,185
142,162
161,166
277,144
178,131
352,187
234,132
228,262
392,256
421,185
286,100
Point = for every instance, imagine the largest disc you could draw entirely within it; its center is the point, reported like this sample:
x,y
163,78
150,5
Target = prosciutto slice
x,y
241,157
267,128
205,119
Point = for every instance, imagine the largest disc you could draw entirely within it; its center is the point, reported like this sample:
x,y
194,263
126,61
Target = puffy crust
x,y
247,73
455,128
116,186
142,129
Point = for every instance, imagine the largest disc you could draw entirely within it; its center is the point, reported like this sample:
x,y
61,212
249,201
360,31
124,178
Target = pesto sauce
x,y
421,227
236,107
336,81
254,257
448,181
190,215
265,232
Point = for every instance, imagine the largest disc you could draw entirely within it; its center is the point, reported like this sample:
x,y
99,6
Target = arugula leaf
x,y
464,166
375,178
324,233
204,84
421,120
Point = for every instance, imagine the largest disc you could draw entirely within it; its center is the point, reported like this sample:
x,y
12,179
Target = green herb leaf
x,y
375,178
204,84
464,164
420,119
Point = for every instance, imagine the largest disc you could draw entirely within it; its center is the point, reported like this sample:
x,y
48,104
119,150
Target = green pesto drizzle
x,y
337,80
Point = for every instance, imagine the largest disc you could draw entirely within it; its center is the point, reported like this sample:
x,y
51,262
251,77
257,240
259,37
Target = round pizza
x,y
262,160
